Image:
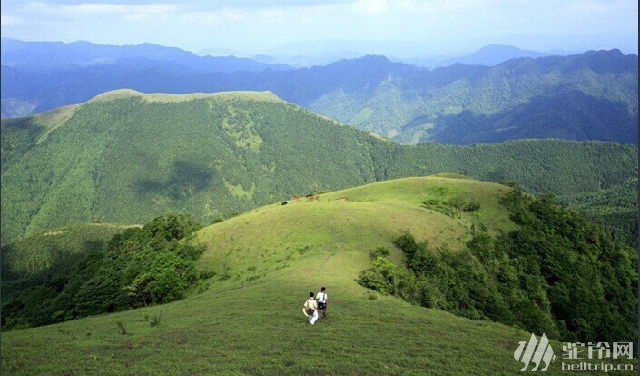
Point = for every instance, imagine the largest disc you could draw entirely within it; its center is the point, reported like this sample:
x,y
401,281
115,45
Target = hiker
x,y
322,299
310,309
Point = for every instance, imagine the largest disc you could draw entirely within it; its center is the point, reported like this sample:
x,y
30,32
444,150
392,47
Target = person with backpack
x,y
310,309
322,299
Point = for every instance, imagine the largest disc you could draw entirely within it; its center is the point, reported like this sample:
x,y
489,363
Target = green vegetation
x,y
138,267
616,209
38,252
91,273
128,158
261,265
556,274
592,96
259,330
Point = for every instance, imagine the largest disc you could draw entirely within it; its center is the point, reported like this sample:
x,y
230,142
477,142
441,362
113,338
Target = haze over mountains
x,y
311,53
589,96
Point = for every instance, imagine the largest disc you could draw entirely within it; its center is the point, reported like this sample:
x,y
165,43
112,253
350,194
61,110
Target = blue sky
x,y
258,26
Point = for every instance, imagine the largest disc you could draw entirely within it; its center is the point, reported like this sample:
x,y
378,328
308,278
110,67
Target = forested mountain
x,y
492,54
590,96
127,157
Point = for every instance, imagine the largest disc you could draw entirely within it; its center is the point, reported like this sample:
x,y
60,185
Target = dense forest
x,y
128,158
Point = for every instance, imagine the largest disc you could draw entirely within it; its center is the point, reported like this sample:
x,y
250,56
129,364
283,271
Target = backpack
x,y
322,304
308,305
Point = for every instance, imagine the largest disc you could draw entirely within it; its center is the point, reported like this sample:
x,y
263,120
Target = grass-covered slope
x,y
249,320
266,261
259,330
340,228
127,157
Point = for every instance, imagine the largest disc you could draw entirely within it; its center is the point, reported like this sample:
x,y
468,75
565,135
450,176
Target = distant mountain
x,y
489,55
325,52
322,52
37,56
586,96
589,96
127,157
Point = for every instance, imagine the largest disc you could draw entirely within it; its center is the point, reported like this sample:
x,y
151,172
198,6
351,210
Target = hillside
x,y
248,320
614,207
346,225
126,157
62,247
589,96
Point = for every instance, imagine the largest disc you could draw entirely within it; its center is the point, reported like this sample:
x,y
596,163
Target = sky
x,y
436,27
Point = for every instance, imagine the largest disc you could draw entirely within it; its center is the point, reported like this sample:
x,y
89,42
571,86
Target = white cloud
x,y
256,24
92,10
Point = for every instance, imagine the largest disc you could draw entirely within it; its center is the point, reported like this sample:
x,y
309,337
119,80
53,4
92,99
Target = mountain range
x,y
589,96
309,53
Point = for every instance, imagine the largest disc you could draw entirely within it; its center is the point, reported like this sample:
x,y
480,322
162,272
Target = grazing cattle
x,y
297,198
311,197
284,202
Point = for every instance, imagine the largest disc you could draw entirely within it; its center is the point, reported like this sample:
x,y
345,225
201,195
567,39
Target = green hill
x,y
264,262
347,224
126,157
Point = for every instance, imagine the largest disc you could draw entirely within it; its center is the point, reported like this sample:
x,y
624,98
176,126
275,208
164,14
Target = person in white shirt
x,y
310,309
322,299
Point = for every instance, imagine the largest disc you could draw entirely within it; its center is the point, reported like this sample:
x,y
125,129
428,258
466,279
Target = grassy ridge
x,y
352,222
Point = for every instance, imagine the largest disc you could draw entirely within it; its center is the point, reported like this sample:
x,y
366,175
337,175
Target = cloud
x,y
256,24
44,13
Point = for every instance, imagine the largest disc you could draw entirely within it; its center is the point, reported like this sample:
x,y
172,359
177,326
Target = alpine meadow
x,y
169,215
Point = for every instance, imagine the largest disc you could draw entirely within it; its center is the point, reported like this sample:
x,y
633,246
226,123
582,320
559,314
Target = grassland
x,y
249,321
